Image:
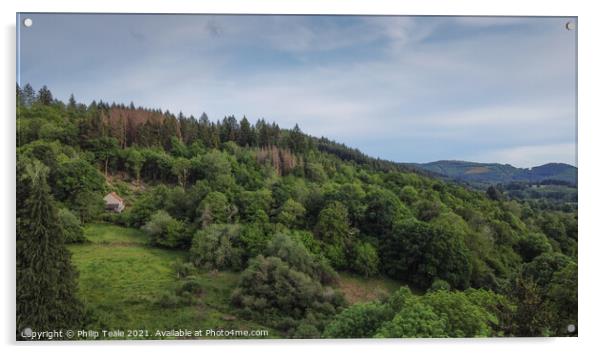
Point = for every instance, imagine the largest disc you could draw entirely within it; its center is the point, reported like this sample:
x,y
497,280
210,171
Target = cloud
x,y
449,86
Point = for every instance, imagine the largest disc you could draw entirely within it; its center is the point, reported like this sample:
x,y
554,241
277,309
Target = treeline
x,y
289,211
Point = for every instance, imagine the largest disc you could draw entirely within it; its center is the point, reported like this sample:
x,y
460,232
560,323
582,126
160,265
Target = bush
x,y
358,321
165,231
365,261
271,289
190,285
464,318
184,269
439,284
532,245
214,209
299,258
72,229
217,247
415,320
168,300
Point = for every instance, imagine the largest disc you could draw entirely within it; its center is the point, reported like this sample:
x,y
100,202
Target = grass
x,y
121,280
358,289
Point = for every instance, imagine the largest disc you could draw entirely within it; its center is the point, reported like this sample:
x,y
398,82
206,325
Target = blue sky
x,y
408,89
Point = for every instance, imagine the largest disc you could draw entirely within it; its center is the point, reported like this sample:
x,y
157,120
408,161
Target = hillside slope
x,y
493,173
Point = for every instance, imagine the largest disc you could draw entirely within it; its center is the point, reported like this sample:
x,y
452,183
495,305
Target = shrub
x,y
415,320
217,247
365,261
184,269
165,231
71,226
358,321
532,245
299,258
270,288
439,284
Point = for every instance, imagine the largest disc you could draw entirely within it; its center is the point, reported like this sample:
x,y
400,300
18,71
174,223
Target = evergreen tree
x,y
246,136
45,96
46,280
29,95
296,140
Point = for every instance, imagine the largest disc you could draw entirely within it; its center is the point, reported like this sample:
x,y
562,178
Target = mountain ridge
x,y
493,173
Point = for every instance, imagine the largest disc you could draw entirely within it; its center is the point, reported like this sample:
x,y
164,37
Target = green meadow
x,y
122,281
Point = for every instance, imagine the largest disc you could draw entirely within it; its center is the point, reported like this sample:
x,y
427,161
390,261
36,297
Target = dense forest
x,y
289,213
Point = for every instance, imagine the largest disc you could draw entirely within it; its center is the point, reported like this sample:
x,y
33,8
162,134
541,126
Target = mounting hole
x,y
571,328
570,25
28,22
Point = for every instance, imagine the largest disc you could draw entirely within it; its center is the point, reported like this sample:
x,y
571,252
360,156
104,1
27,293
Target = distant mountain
x,y
493,173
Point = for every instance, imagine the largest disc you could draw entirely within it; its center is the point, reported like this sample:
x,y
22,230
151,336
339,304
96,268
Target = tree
x,y
75,176
214,209
383,209
297,255
247,135
415,320
335,233
333,224
365,260
494,194
181,168
463,318
216,168
217,247
291,214
46,280
29,95
296,140
45,96
409,194
104,148
88,205
72,228
563,298
532,245
270,289
418,252
165,231
361,320
254,205
134,161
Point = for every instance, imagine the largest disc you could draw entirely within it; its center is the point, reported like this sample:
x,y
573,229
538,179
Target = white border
x,y
589,165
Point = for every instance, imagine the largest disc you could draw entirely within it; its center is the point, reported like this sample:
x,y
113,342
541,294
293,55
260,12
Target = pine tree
x,y
45,96
246,136
29,95
46,280
296,141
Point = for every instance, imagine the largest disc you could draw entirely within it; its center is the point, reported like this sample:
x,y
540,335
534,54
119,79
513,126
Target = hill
x,y
495,173
297,228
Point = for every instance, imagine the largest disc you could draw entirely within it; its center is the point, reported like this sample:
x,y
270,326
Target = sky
x,y
406,89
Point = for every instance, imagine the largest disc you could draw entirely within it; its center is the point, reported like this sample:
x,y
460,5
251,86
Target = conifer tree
x,y
46,280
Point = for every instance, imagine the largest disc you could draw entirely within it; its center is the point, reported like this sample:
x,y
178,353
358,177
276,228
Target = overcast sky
x,y
408,89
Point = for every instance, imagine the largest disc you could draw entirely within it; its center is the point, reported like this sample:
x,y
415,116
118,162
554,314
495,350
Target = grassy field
x,y
121,281
358,289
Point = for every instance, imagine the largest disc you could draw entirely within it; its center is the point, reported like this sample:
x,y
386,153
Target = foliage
x,y
420,253
46,280
365,260
256,190
217,247
72,228
165,231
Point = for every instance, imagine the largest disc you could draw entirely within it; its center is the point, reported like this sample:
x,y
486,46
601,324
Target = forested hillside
x,y
286,212
494,173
